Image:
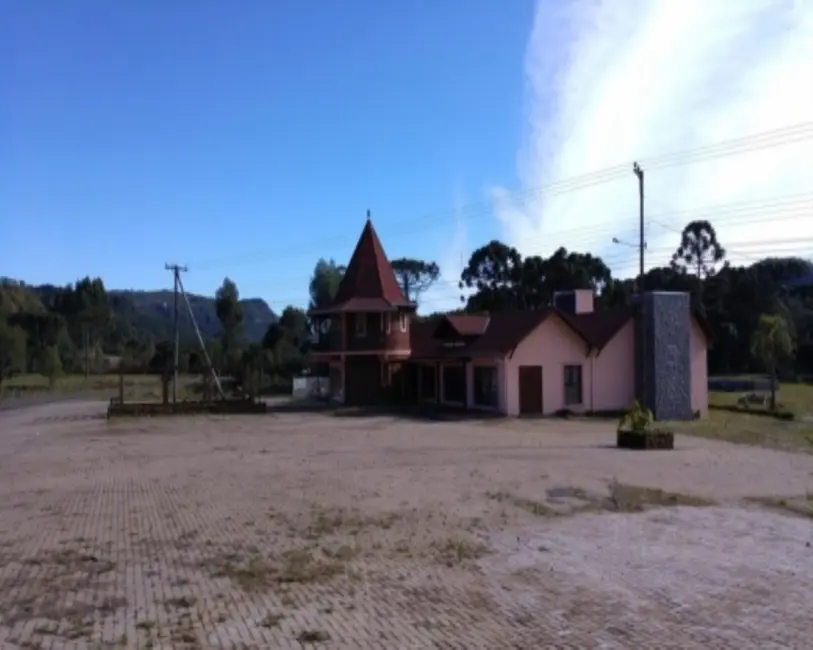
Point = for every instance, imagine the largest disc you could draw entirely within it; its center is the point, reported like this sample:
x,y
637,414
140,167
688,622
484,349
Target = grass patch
x,y
529,505
135,386
271,620
293,566
749,429
181,602
634,498
313,636
457,550
796,398
800,507
621,498
331,523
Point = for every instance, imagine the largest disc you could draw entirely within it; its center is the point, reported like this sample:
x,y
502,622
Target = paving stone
x,y
375,532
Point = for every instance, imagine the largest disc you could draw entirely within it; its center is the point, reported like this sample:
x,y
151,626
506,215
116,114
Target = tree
x,y
12,350
699,250
327,275
230,314
415,276
49,363
771,343
494,272
288,343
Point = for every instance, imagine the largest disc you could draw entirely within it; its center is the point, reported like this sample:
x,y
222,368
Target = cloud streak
x,y
609,82
454,251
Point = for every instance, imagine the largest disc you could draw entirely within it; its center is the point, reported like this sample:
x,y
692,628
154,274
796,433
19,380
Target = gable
x,y
553,337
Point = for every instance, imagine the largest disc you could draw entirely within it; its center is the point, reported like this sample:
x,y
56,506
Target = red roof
x,y
369,282
501,332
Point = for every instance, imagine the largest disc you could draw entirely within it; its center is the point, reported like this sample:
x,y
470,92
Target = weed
x,y
534,507
456,550
634,498
313,636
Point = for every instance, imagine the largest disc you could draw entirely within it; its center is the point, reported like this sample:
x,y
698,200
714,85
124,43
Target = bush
x,y
635,430
637,419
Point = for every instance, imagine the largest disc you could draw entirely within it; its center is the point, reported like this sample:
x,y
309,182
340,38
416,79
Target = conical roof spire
x,y
369,282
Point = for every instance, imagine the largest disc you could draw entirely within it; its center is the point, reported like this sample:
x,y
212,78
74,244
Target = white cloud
x,y
453,255
609,82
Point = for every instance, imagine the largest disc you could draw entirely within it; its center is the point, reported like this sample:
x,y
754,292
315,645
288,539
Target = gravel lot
x,y
306,530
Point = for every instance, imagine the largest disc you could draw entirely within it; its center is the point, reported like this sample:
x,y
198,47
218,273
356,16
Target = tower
x,y
364,333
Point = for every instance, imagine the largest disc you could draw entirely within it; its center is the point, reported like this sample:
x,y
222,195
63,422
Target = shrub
x,y
637,418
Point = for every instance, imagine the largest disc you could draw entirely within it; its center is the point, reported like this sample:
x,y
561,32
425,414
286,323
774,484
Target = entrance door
x,y
530,390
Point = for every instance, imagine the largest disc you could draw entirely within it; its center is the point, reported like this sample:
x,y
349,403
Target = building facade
x,y
568,357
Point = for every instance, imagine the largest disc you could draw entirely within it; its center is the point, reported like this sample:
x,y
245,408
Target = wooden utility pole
x,y
641,243
176,276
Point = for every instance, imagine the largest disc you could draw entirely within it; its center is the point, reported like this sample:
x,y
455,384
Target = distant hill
x,y
148,312
155,310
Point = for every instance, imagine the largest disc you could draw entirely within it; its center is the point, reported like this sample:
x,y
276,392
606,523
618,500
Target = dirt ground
x,y
307,530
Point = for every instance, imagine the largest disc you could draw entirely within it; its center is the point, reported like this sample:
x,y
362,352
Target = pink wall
x,y
553,345
614,372
700,373
608,379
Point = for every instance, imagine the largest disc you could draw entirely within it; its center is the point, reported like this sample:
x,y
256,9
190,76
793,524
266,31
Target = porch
x,y
458,384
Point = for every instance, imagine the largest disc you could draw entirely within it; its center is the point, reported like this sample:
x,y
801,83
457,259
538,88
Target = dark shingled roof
x,y
369,282
501,332
504,331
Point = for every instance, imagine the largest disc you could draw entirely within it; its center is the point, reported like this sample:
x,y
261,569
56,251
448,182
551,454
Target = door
x,y
362,381
530,390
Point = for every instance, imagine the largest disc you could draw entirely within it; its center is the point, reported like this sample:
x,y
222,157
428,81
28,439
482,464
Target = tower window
x,y
361,325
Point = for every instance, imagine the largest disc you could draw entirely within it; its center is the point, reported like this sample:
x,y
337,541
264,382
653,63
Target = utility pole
x,y
643,394
641,244
176,276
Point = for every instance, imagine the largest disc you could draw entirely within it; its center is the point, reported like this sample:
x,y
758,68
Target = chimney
x,y
575,301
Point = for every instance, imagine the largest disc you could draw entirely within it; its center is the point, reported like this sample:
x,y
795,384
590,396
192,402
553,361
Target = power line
x,y
778,210
745,144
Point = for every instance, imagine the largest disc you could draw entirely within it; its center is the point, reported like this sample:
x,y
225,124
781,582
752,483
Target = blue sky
x,y
247,139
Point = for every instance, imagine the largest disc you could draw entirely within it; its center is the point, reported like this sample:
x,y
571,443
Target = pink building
x,y
565,357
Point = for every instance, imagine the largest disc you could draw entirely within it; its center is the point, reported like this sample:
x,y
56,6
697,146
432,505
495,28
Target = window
x,y
403,319
454,384
361,325
388,322
573,385
485,386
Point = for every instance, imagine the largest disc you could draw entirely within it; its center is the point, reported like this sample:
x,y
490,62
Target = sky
x,y
249,139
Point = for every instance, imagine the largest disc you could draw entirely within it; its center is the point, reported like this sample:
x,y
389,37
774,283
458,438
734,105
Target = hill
x,y
154,310
150,313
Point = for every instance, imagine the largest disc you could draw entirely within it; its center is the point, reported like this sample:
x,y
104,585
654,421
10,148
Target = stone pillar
x,y
663,374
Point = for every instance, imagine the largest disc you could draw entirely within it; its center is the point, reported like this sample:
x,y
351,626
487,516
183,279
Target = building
x,y
566,357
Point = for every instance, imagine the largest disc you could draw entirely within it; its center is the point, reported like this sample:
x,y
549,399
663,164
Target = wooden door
x,y
530,390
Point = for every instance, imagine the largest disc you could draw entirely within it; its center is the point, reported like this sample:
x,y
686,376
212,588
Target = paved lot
x,y
378,533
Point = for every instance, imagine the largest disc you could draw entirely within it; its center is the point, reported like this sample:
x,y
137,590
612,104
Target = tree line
x,y
758,324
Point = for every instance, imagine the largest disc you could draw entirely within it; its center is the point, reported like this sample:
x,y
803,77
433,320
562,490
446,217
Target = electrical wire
x,y
736,146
